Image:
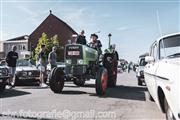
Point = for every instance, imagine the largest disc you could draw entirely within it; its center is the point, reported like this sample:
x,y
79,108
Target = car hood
x,y
174,61
26,68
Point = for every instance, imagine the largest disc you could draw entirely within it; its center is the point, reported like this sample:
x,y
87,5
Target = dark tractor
x,y
82,63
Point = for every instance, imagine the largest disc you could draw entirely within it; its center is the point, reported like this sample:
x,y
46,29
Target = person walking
x,y
52,57
11,60
42,65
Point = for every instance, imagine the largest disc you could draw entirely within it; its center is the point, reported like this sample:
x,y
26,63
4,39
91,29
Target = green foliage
x,y
49,43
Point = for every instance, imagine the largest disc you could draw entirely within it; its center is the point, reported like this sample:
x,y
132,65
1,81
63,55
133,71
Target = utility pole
x,y
109,35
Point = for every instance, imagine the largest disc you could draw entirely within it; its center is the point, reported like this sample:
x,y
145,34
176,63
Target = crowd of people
x,y
41,62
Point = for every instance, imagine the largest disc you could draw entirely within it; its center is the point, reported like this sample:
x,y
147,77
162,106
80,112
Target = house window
x,y
24,47
20,47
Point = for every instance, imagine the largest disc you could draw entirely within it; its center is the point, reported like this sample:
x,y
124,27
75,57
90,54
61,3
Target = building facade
x,y
1,50
52,25
21,43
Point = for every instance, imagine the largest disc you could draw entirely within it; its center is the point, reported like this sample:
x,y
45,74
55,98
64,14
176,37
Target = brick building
x,y
52,25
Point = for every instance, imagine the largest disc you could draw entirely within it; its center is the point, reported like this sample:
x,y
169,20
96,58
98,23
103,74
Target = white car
x,y
162,75
140,70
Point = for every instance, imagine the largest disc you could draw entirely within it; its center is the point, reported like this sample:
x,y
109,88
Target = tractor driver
x,y
96,44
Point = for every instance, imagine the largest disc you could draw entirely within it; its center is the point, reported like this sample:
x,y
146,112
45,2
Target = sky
x,y
134,24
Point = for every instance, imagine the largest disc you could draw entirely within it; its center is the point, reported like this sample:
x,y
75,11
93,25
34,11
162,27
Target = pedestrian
x,y
81,39
52,57
115,52
42,65
129,67
11,60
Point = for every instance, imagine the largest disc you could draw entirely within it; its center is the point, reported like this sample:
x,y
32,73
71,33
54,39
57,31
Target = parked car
x,y
26,72
140,69
4,76
162,75
119,69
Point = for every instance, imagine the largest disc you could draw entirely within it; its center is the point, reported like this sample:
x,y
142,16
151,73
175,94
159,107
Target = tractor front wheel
x,y
56,80
101,81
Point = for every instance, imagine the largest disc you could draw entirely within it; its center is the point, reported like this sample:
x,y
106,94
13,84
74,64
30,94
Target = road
x,y
125,102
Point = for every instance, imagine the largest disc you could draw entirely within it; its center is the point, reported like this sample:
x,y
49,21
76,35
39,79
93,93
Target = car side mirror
x,y
149,59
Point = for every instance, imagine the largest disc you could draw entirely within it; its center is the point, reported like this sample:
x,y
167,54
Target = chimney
x,y
50,11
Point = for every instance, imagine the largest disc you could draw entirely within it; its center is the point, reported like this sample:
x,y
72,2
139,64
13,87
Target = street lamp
x,y
109,35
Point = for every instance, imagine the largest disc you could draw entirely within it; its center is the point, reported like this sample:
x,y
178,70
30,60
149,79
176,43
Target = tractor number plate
x,y
73,53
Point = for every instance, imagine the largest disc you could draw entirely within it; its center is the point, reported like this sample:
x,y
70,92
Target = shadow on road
x,y
75,86
89,85
13,93
125,92
69,92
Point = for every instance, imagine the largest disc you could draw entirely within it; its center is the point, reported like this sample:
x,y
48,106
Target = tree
x,y
49,43
55,40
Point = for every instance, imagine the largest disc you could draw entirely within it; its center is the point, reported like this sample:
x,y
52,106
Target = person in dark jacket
x,y
81,39
11,60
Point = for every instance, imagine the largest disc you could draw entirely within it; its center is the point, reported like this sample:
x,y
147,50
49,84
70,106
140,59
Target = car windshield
x,y
170,47
23,63
142,62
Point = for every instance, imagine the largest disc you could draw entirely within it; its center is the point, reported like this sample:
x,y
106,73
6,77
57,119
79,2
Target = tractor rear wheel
x,y
101,81
56,80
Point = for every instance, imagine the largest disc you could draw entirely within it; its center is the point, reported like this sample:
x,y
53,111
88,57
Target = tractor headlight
x,y
68,61
80,62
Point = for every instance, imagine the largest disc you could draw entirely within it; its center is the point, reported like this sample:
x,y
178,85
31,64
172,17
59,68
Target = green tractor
x,y
82,63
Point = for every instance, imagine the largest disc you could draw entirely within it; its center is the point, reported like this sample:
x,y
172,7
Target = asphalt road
x,y
125,102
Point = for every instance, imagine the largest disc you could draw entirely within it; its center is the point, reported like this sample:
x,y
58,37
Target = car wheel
x,y
79,82
101,81
56,80
150,97
139,81
168,111
2,87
